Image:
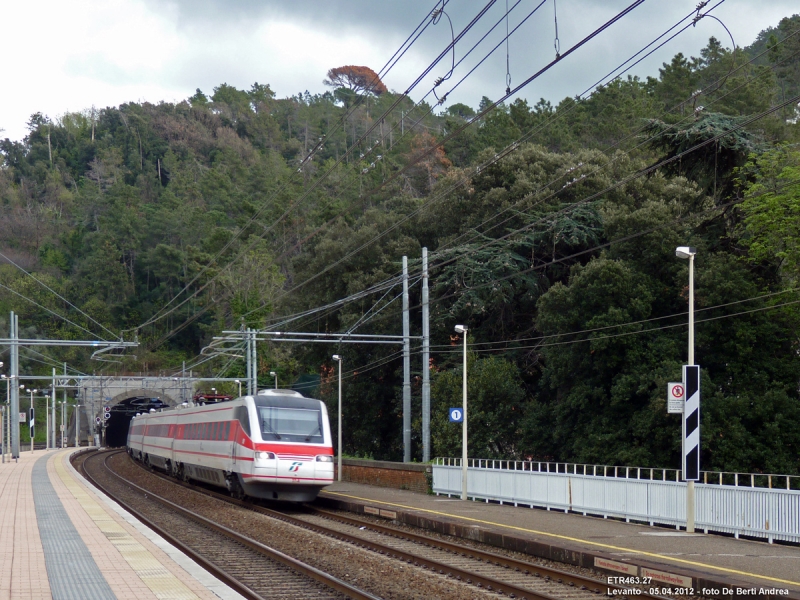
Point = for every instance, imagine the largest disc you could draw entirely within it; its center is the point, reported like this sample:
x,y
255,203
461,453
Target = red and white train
x,y
275,445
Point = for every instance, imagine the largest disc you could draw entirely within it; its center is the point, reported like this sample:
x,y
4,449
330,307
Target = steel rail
x,y
482,581
271,553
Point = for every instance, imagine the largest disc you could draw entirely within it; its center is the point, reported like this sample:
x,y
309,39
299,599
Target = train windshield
x,y
290,424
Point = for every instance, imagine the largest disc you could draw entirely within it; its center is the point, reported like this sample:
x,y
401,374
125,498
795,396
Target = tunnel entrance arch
x,y
124,407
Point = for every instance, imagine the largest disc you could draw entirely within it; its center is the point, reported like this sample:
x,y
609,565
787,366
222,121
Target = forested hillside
x,y
551,232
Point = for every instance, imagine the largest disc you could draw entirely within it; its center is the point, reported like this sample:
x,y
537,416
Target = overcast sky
x,y
65,56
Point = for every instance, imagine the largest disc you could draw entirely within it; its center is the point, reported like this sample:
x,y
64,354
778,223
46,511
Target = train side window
x,y
227,430
241,415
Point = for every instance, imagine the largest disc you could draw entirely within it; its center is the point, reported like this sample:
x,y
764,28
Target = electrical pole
x,y
406,369
247,355
254,368
14,382
426,367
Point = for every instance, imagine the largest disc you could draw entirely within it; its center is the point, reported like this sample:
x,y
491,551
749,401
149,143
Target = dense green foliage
x,y
173,222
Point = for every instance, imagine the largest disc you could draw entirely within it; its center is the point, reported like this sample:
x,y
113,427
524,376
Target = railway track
x,y
480,570
253,569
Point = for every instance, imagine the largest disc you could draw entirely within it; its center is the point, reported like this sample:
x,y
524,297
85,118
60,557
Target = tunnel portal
x,y
121,415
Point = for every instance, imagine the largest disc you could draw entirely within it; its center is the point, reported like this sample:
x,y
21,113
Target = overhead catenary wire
x,y
60,297
319,180
650,169
439,252
387,67
645,331
418,122
612,72
450,136
597,247
450,349
363,137
515,145
745,312
555,180
52,312
626,324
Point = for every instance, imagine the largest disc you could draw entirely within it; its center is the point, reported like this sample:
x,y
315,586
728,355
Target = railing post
x,y
651,474
769,481
720,477
705,476
736,479
752,480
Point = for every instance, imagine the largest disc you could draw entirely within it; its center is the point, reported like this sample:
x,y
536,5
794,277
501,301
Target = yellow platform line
x,y
161,581
573,539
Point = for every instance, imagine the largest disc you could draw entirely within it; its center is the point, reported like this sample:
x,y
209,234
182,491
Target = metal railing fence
x,y
732,478
630,493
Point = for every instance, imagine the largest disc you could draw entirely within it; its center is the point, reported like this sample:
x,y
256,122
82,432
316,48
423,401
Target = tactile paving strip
x,y
161,582
72,572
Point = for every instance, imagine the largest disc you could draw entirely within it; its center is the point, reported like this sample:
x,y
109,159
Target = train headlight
x,y
324,458
265,456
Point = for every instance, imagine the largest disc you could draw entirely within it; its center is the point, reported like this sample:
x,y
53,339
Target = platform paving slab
x,y
578,539
69,541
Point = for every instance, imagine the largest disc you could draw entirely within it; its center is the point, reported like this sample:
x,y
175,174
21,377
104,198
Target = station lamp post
x,y
239,383
275,375
338,359
689,252
462,329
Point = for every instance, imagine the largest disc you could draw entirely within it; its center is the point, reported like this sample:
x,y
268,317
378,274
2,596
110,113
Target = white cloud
x,y
72,55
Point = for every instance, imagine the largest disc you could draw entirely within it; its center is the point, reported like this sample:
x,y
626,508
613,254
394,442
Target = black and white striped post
x,y
691,408
691,423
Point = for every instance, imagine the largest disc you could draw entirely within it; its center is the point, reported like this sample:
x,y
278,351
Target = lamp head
x,y
237,381
337,357
685,251
462,328
272,373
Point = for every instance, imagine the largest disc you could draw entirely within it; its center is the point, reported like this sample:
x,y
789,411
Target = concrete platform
x,y
672,558
62,539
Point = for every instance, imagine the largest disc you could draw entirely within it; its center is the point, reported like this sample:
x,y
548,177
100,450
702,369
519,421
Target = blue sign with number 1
x,y
456,415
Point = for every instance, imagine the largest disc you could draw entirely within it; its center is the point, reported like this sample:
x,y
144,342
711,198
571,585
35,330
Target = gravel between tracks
x,y
380,576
